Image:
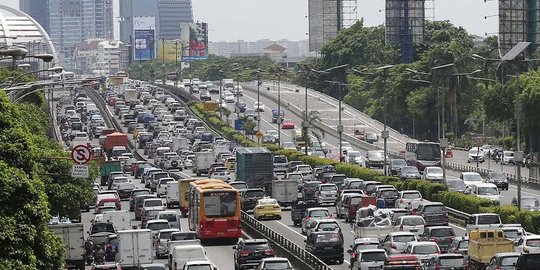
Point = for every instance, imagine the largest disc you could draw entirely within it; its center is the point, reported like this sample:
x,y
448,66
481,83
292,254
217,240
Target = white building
x,y
100,57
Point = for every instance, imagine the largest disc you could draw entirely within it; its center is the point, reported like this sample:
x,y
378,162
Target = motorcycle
x,y
99,256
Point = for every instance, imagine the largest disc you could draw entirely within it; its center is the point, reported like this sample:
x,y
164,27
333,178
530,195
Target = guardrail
x,y
306,258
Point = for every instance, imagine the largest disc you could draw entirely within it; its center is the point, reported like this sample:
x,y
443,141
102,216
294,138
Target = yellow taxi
x,y
230,163
267,208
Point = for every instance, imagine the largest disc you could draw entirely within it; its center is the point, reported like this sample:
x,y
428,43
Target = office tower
x,y
38,10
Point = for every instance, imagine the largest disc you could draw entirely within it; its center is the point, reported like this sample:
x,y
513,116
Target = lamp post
x,y
237,106
279,119
340,89
220,93
258,72
56,69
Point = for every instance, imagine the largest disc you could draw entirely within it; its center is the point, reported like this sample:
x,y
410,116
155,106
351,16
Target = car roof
x,y
439,227
279,259
366,240
255,241
507,254
317,208
401,233
198,263
470,173
157,221
371,250
484,185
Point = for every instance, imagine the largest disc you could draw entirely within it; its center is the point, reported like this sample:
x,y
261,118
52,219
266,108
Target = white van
x,y
185,253
484,190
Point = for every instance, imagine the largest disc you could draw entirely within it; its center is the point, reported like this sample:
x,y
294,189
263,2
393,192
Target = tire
x,y
340,261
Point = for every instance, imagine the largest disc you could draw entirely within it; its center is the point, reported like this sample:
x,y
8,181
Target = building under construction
x,y
326,18
405,25
518,21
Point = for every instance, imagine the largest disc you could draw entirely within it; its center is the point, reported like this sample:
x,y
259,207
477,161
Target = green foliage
x,y
463,202
529,220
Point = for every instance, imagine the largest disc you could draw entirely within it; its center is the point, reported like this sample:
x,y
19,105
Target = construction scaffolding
x,y
405,25
326,18
518,21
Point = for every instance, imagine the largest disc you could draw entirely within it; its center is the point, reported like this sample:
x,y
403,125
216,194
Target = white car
x,y
223,175
470,178
228,97
258,106
346,146
528,244
407,197
433,174
119,180
484,190
508,157
423,250
370,259
80,138
276,263
414,224
476,154
199,265
272,132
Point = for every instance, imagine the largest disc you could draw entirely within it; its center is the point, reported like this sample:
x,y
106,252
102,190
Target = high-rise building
x,y
168,15
38,10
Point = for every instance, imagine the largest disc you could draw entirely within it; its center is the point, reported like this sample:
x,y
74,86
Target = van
x,y
185,253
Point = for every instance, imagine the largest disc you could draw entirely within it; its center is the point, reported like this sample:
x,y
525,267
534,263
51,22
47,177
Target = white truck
x,y
184,253
172,244
202,162
173,196
130,94
375,232
119,219
72,235
180,143
285,191
134,248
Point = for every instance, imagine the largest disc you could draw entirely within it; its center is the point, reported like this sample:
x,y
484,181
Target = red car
x,y
287,124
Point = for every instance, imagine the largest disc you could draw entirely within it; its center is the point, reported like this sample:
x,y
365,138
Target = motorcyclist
x,y
99,255
89,251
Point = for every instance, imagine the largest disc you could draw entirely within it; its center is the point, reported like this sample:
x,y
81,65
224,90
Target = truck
x,y
134,248
484,243
285,191
228,84
72,235
115,139
255,166
106,167
120,219
180,143
172,244
130,95
202,162
172,197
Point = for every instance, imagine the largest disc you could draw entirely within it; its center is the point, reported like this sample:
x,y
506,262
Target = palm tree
x,y
311,128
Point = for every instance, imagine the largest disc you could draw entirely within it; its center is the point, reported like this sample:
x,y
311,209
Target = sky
x,y
250,20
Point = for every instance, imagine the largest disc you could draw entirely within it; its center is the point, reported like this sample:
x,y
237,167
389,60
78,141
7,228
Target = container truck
x,y
115,139
255,166
202,162
106,167
130,95
134,248
285,191
72,235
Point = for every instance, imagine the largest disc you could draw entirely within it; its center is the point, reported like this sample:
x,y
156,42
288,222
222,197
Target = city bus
x,y
214,210
423,154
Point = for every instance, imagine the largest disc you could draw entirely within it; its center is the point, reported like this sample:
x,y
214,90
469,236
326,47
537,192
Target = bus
x,y
423,154
214,210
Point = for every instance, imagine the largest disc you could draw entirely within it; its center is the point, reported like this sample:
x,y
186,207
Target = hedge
x,y
430,191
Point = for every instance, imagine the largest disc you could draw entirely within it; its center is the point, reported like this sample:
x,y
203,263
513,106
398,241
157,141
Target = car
x,y
239,185
406,197
199,265
325,245
248,253
459,245
228,97
442,235
395,165
288,145
258,106
160,242
423,249
470,178
484,190
360,244
504,260
396,242
402,261
298,209
433,174
499,179
326,193
528,262
476,154
527,202
205,96
250,198
239,107
434,213
275,263
454,184
413,224
269,139
375,158
273,132
447,261
320,225
312,214
528,244
106,266
267,208
287,124
224,175
409,172
369,259
508,158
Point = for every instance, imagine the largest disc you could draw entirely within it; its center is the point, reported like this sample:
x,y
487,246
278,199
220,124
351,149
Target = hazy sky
x,y
232,20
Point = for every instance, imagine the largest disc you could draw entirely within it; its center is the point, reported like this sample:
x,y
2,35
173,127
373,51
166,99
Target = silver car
x,y
326,193
369,259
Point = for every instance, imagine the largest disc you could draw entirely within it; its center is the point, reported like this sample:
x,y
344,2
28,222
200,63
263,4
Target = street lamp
x,y
258,72
56,69
341,85
279,119
237,106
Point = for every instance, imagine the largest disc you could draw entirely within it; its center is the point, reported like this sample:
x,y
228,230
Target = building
x,y
73,21
326,18
168,16
98,57
38,10
276,52
20,29
243,47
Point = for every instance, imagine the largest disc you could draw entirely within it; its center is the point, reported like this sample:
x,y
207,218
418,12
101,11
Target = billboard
x,y
144,45
194,38
169,50
144,23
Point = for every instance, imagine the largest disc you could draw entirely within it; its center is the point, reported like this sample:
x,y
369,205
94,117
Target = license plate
x,y
414,230
107,204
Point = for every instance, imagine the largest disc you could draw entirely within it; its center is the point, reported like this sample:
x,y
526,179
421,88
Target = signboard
x,y
194,38
169,50
210,106
144,44
81,154
80,171
144,23
259,134
239,124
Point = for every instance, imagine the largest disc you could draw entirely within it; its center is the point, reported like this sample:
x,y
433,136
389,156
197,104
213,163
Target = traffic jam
x,y
170,192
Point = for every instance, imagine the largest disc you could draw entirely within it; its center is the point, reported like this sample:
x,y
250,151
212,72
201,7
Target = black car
x,y
326,245
454,184
205,96
240,107
442,235
447,262
298,210
248,253
389,196
528,261
250,197
499,179
309,188
395,165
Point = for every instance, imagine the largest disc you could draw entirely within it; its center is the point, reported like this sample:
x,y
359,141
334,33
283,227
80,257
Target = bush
x,y
529,220
353,170
462,202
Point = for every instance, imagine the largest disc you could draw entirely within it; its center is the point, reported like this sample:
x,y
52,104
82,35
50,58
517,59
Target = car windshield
x,y
464,245
158,226
436,170
373,256
404,238
254,194
429,151
328,188
256,246
412,221
389,193
399,162
409,169
412,195
165,235
529,201
451,262
488,219
497,175
319,213
456,184
169,217
533,243
472,177
366,247
152,203
442,232
280,160
513,233
375,155
435,208
509,261
356,184
425,249
488,191
239,186
220,203
328,226
327,237
276,265
183,236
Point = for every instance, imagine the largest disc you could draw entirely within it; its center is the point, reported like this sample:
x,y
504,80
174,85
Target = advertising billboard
x,y
144,45
169,50
194,37
144,23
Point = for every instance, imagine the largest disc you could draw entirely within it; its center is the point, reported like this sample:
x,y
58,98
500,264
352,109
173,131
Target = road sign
x,y
259,134
238,124
210,106
81,171
81,154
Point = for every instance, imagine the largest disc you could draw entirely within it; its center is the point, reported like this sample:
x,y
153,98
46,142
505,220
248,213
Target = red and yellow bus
x,y
214,210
